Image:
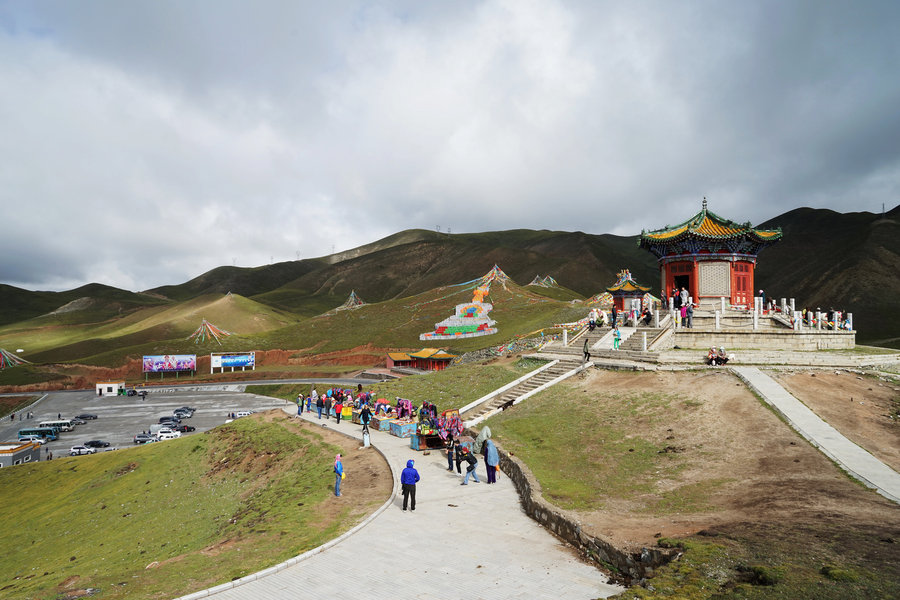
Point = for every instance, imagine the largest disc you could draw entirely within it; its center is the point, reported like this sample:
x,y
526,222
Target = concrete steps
x,y
506,399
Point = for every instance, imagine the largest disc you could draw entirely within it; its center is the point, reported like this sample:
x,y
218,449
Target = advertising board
x,y
169,363
247,359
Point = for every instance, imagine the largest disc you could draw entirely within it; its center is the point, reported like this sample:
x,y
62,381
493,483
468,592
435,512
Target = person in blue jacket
x,y
338,474
408,478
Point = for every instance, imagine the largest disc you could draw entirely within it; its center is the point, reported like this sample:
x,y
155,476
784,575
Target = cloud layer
x,y
143,143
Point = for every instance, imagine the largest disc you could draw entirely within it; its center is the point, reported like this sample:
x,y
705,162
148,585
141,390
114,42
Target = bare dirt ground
x,y
862,407
775,479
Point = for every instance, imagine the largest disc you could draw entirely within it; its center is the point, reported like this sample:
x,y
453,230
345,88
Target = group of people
x,y
333,401
458,452
684,307
717,358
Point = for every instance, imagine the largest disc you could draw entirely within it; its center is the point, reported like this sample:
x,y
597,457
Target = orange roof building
x,y
710,256
426,359
626,288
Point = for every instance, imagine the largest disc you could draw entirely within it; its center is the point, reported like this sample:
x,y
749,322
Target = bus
x,y
49,434
62,424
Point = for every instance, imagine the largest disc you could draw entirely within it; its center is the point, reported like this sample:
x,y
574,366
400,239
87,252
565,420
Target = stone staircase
x,y
505,399
635,343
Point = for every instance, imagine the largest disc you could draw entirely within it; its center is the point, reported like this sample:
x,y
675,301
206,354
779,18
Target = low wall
x,y
765,340
625,566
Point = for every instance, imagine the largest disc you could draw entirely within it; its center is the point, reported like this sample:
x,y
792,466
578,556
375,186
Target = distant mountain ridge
x,y
826,259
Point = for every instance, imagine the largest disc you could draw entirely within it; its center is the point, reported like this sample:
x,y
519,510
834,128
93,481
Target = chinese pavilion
x,y
626,288
710,256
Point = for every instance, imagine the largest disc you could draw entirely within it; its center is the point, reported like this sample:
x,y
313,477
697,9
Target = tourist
x,y
614,315
365,416
721,356
470,470
684,296
327,404
646,316
586,350
338,474
592,320
689,315
338,407
711,357
408,478
451,445
300,403
617,337
320,404
309,404
491,460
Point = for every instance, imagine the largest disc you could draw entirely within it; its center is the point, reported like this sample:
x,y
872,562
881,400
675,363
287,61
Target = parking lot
x,y
120,418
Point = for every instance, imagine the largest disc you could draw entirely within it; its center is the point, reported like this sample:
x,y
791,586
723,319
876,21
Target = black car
x,y
86,416
169,420
96,444
183,428
131,392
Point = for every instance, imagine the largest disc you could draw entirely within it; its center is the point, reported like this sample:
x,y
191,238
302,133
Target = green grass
x,y
205,509
582,450
771,568
453,387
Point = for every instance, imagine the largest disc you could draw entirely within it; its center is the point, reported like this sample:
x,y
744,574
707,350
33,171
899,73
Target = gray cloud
x,y
146,142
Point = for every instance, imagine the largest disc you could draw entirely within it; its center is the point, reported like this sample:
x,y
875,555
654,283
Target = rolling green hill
x,y
845,261
826,259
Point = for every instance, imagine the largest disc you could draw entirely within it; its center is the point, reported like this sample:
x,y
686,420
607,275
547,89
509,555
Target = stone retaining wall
x,y
784,339
625,566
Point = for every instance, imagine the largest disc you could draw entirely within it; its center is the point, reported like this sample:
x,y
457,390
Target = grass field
x,y
200,510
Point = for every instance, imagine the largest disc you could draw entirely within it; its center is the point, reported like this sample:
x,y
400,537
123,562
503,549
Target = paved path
x,y
853,459
461,542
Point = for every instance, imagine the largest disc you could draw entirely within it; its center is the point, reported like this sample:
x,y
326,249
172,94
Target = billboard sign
x,y
233,360
168,363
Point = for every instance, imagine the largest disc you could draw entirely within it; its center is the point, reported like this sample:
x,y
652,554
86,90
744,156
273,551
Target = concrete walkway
x,y
461,542
850,457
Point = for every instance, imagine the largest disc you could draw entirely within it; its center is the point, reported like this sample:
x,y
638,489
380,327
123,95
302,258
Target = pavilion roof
x,y
709,226
625,283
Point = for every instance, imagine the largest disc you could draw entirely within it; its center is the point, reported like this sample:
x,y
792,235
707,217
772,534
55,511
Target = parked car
x,y
184,428
79,450
86,416
163,430
183,414
97,444
190,408
243,413
33,438
168,436
131,393
169,419
143,438
77,421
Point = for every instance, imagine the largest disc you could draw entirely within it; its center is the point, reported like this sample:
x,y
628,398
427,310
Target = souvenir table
x,y
403,428
381,422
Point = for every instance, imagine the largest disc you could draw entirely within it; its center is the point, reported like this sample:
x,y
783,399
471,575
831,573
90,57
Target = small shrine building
x,y
426,359
709,256
626,289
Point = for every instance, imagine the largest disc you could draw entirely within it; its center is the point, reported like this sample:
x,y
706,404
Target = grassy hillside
x,y
51,339
161,520
91,303
842,261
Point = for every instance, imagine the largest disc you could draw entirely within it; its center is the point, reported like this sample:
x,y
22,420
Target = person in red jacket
x,y
338,407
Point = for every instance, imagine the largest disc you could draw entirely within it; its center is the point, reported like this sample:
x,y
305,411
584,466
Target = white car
x,y
168,436
33,438
79,450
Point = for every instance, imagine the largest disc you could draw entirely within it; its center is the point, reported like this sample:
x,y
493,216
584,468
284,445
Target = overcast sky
x,y
143,143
